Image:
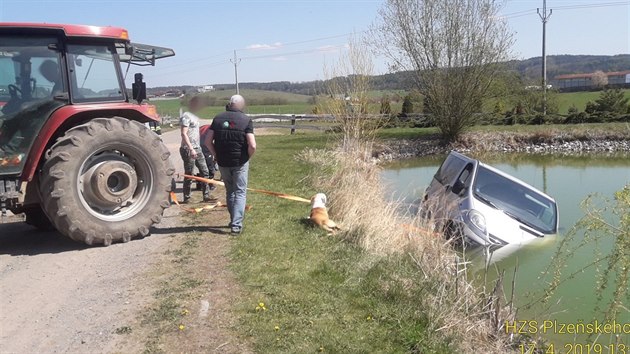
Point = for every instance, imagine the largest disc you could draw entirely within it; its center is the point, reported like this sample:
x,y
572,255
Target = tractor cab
x,y
68,122
43,72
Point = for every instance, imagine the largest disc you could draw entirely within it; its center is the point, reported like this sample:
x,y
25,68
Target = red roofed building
x,y
573,81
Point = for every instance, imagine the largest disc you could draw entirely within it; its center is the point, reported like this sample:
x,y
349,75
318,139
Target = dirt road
x,y
60,296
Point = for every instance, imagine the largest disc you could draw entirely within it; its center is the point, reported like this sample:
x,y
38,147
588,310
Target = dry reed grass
x,y
454,307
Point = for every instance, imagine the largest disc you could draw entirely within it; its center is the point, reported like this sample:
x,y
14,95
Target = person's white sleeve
x,y
185,120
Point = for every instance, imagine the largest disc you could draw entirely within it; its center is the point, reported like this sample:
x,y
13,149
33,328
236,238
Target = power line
x,y
567,7
588,6
300,52
310,40
225,53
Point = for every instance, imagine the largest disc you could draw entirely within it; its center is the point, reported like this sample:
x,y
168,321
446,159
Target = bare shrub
x,y
599,79
347,95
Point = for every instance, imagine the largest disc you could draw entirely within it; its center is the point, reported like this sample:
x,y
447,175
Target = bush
x,y
407,107
386,107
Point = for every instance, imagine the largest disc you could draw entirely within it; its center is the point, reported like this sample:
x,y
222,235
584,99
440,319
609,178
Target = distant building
x,y
584,81
206,88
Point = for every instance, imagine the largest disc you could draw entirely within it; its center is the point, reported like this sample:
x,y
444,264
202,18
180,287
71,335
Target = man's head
x,y
50,71
195,104
237,102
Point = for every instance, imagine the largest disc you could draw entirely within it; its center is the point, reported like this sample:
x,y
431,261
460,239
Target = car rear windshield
x,y
523,204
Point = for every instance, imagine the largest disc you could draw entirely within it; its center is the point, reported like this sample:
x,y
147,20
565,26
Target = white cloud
x,y
264,46
331,48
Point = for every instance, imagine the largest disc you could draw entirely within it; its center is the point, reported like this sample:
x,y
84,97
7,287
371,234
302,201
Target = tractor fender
x,y
69,116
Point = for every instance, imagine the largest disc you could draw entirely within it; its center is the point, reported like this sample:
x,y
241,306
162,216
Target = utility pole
x,y
236,61
544,17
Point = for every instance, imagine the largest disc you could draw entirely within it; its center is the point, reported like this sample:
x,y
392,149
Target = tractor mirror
x,y
139,88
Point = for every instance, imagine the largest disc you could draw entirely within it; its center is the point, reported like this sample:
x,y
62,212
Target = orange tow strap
x,y
195,210
418,230
407,227
275,194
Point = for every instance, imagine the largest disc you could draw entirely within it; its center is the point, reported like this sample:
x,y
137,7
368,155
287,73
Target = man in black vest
x,y
231,141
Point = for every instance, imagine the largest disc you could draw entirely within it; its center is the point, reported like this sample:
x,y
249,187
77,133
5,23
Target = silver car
x,y
467,198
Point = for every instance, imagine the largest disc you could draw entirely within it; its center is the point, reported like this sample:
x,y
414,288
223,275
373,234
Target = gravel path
x,y
59,296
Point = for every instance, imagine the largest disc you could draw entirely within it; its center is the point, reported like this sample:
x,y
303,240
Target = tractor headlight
x,y
477,220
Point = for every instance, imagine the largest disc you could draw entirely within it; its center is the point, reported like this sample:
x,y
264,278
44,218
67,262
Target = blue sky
x,y
292,40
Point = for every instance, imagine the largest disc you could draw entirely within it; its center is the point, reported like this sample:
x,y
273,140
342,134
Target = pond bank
x,y
541,142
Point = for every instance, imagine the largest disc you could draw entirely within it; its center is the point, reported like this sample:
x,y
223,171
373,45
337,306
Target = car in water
x,y
475,201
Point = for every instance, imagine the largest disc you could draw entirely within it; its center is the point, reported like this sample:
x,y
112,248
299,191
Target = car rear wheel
x,y
106,181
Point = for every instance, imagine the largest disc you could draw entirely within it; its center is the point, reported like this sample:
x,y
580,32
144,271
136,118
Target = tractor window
x,y
93,74
30,82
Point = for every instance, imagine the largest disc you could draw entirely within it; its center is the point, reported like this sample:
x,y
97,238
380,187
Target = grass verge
x,y
190,308
321,293
177,288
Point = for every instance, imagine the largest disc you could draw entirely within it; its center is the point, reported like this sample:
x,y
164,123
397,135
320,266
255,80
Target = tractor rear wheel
x,y
106,181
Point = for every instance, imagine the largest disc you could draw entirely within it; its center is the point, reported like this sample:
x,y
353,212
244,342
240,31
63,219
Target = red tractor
x,y
76,153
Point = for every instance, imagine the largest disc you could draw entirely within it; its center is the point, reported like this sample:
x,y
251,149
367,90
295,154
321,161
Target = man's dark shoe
x,y
235,231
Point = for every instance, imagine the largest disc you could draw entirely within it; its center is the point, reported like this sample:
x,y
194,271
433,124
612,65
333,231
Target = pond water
x,y
568,179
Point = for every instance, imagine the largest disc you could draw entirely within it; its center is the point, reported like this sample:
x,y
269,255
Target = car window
x,y
450,169
518,201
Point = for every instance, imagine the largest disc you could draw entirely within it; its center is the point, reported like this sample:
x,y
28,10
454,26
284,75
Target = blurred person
x,y
50,71
190,149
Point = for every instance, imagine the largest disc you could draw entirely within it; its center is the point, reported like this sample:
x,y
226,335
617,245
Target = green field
x,y
300,104
579,99
259,95
295,104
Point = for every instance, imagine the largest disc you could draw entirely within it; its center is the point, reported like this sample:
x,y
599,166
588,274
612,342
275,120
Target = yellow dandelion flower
x,y
185,312
182,327
369,318
258,308
321,349
277,328
261,304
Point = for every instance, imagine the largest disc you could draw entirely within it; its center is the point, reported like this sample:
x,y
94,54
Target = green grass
x,y
323,294
579,99
259,95
296,104
299,104
177,285
171,108
406,133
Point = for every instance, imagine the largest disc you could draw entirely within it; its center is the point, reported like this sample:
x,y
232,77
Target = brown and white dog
x,y
319,214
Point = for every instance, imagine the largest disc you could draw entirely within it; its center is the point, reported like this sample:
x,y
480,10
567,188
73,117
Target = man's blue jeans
x,y
235,179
